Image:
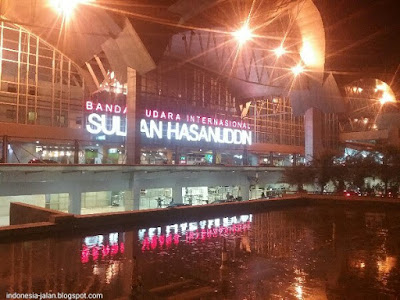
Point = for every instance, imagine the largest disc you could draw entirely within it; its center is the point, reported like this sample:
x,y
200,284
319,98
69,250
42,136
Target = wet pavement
x,y
318,252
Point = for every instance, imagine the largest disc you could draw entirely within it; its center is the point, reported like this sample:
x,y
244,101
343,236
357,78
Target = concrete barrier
x,y
52,222
176,214
31,231
21,213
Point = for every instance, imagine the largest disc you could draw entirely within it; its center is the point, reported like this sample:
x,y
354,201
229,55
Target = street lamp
x,y
279,51
386,97
296,70
243,34
66,7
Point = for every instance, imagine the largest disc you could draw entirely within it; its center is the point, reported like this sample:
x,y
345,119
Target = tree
x,y
389,168
360,167
326,168
299,176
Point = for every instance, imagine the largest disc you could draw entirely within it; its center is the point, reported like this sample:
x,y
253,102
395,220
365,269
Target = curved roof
x,y
137,36
297,26
253,69
368,97
370,104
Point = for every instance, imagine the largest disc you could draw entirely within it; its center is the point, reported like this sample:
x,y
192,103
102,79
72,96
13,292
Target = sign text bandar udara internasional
x,y
166,124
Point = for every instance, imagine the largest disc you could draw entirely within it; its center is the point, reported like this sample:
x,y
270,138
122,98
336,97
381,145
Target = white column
x,y
47,198
132,136
136,197
245,192
313,133
132,202
177,194
75,202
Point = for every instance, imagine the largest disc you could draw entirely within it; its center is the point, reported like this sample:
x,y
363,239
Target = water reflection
x,y
162,238
102,246
321,252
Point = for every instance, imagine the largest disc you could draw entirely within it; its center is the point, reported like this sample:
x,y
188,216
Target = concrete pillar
x,y
108,199
47,199
245,157
214,156
177,156
294,159
313,133
245,192
136,197
177,194
75,202
132,135
76,152
218,157
271,158
169,157
5,149
132,201
128,200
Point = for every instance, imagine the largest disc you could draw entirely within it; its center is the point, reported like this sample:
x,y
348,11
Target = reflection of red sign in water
x,y
164,241
93,246
103,252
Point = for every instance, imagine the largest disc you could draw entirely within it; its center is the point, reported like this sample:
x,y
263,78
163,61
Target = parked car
x,y
351,193
42,161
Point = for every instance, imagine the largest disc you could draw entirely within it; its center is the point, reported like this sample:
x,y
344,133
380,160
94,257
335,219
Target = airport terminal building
x,y
86,98
163,87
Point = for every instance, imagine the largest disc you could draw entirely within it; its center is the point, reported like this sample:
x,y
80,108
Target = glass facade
x,y
155,198
197,195
189,91
39,85
102,202
58,202
274,123
186,88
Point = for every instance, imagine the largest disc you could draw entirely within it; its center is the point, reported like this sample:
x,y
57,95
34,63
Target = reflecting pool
x,y
319,252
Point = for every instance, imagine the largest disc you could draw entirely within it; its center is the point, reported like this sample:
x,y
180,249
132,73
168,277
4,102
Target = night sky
x,y
362,38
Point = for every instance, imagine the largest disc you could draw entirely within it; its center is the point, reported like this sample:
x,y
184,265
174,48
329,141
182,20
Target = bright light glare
x,y
307,54
243,34
66,7
387,94
298,69
280,51
381,87
386,97
299,291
